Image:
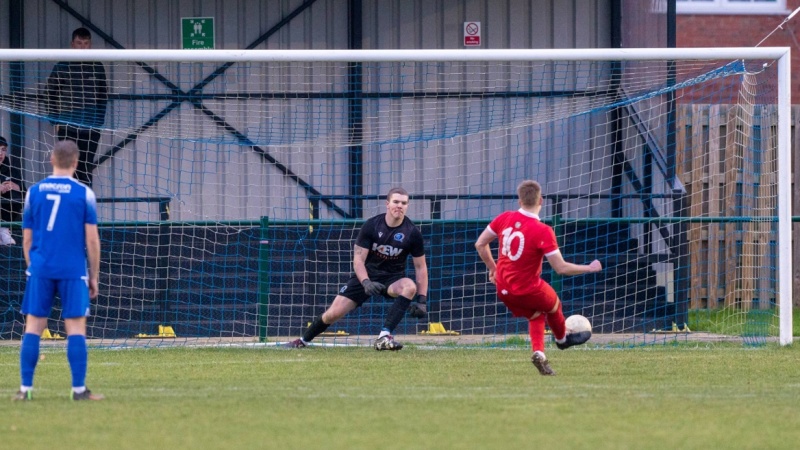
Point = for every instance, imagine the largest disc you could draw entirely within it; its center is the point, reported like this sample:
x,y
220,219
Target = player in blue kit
x,y
59,232
381,250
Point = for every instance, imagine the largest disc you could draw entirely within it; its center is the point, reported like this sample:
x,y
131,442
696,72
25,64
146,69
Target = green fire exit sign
x,y
197,32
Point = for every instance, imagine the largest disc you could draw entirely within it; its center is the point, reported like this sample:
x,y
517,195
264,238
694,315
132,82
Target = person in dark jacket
x,y
76,98
11,194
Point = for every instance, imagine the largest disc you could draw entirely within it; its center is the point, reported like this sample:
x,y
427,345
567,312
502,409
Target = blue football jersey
x,y
56,210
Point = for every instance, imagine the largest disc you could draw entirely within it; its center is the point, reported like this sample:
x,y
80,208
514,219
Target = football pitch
x,y
423,397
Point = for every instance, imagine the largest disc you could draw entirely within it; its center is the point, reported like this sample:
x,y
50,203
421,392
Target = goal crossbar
x,y
163,55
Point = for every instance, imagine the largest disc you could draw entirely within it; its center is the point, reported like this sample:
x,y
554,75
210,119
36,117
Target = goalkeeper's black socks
x,y
316,328
396,312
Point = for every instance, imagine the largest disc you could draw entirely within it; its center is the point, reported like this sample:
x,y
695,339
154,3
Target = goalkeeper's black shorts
x,y
355,292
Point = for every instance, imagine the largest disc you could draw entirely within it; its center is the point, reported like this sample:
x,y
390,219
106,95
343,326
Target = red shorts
x,y
541,298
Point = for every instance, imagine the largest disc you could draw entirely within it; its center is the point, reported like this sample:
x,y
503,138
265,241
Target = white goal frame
x,y
780,54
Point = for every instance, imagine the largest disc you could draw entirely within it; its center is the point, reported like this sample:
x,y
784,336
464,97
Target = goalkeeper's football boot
x,y
297,343
574,339
387,343
87,395
540,362
22,396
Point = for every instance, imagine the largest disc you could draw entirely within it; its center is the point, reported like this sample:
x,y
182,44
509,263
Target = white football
x,y
576,323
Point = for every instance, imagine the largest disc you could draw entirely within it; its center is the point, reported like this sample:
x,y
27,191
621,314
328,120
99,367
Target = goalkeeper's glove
x,y
419,308
372,287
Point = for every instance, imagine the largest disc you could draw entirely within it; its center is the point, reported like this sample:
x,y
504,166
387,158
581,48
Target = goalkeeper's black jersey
x,y
389,247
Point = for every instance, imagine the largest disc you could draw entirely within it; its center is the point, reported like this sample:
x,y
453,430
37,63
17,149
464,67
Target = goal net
x,y
231,185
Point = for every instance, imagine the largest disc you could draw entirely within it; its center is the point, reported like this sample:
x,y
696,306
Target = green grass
x,y
683,396
733,321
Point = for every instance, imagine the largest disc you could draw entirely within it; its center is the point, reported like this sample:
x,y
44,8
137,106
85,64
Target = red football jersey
x,y
523,242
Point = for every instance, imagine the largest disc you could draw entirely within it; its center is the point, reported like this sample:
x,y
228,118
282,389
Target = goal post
x,y
232,184
785,198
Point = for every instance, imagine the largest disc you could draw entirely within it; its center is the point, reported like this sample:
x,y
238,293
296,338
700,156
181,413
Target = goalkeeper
x,y
381,250
524,243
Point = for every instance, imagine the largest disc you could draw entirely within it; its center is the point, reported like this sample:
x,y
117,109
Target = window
x,y
731,7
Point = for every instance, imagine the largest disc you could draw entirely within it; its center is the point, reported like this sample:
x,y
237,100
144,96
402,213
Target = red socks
x,y
536,331
556,323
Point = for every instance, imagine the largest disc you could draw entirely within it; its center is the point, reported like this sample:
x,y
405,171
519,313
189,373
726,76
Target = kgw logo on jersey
x,y
387,250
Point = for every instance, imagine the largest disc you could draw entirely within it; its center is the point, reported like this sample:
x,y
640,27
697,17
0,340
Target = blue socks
x,y
76,355
78,359
28,357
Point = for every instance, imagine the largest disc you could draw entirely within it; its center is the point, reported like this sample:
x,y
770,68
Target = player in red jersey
x,y
524,242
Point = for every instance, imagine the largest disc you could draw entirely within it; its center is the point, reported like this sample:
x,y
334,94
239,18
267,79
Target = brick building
x,y
737,23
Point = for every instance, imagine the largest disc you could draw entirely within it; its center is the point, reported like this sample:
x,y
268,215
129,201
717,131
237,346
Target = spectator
x,y
11,194
76,98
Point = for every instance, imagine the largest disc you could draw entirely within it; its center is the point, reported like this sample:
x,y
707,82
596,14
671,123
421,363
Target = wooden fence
x,y
733,263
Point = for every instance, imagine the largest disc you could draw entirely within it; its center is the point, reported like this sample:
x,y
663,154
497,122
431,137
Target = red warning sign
x,y
472,34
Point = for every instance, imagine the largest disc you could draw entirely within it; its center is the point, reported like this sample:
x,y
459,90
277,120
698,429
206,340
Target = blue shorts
x,y
41,292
